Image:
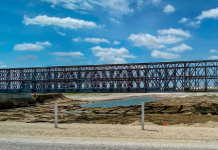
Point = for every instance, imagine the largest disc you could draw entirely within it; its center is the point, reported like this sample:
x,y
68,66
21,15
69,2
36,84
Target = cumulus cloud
x,y
213,57
146,40
116,8
180,48
59,22
63,59
96,40
114,21
213,51
194,23
169,9
47,43
173,31
2,65
164,55
91,40
166,36
112,55
38,46
71,54
140,3
211,13
62,34
116,43
28,57
28,47
154,2
190,23
77,39
183,20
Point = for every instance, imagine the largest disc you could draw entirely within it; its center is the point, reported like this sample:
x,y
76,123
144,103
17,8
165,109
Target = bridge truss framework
x,y
141,77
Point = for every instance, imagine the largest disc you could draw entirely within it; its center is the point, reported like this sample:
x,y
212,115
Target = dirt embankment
x,y
175,110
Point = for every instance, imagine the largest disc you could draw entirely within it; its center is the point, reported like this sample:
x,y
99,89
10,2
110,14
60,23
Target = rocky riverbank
x,y
175,110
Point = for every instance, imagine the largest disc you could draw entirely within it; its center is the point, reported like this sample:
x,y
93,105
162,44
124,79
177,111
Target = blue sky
x,y
88,32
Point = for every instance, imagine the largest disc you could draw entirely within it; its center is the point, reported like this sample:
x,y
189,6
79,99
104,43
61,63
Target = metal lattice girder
x,y
143,77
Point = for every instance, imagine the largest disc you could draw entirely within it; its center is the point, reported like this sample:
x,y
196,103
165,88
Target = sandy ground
x,y
200,132
96,97
67,132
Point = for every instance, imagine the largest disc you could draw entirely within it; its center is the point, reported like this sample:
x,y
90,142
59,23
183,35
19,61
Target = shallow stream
x,y
124,102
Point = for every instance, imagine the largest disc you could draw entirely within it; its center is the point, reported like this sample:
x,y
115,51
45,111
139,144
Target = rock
x,y
209,114
30,120
3,118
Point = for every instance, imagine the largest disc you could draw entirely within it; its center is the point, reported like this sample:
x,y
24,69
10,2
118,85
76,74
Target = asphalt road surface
x,y
19,145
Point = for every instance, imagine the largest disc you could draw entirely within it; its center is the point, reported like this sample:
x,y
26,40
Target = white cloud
x,y
164,55
91,40
28,57
38,46
154,2
71,4
114,21
140,3
77,39
213,51
28,47
116,43
166,36
47,43
146,40
59,22
116,8
151,41
63,59
81,12
53,6
194,24
96,40
71,54
183,20
112,55
173,31
180,48
213,57
190,23
2,65
62,34
211,13
169,39
169,9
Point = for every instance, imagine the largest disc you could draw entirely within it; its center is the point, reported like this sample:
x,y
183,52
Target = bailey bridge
x,y
180,76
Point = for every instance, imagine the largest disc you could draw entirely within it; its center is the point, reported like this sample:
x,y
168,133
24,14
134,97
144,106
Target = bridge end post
x,y
56,115
143,115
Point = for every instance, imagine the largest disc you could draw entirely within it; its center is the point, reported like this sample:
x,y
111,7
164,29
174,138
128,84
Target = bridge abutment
x,y
9,96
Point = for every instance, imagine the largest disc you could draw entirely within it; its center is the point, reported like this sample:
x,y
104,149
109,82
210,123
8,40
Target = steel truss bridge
x,y
142,77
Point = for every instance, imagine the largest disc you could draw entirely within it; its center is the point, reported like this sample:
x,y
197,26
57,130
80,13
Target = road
x,y
24,145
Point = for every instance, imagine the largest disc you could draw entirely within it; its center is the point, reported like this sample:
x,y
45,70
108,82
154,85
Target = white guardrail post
x,y
143,115
56,115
